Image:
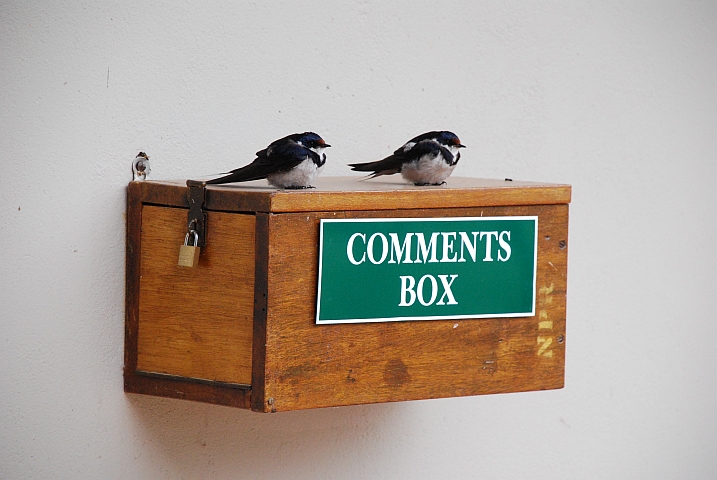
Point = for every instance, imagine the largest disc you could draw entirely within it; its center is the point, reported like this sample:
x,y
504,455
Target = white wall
x,y
618,99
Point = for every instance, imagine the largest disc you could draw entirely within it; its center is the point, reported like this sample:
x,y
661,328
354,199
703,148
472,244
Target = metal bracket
x,y
197,217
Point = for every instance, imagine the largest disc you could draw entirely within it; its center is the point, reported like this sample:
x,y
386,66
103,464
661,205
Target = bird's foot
x,y
298,187
424,184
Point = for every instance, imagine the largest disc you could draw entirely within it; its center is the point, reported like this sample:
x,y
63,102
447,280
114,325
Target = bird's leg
x,y
298,187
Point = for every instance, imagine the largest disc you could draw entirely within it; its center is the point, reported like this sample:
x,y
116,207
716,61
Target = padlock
x,y
189,254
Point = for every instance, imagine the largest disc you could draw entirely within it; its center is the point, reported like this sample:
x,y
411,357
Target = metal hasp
x,y
197,217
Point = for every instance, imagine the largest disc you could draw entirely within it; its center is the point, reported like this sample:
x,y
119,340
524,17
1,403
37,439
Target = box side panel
x,y
134,225
309,365
196,322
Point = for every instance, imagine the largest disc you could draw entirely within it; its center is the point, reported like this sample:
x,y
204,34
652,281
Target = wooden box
x,y
240,329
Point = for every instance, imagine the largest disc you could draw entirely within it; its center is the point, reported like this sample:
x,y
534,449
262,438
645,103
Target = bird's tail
x,y
377,168
366,167
243,174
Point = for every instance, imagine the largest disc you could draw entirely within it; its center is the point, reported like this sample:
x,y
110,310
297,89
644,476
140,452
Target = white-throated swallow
x,y
290,162
427,159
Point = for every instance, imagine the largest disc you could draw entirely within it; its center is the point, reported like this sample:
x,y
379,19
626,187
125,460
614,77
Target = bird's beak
x,y
461,146
325,145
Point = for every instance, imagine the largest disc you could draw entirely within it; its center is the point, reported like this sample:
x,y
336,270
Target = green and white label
x,y
399,269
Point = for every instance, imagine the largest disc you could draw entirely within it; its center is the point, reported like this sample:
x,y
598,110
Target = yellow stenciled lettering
x,y
544,343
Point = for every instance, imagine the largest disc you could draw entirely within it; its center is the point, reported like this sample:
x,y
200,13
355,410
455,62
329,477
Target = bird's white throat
x,y
318,150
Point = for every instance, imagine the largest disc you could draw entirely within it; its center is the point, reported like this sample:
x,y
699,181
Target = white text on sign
x,y
378,249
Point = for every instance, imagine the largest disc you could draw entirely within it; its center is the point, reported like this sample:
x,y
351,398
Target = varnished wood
x,y
309,365
134,224
355,194
196,322
186,389
258,401
285,361
171,194
134,381
349,194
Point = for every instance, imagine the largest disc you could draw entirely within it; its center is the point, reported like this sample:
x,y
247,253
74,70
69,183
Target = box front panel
x,y
196,322
310,365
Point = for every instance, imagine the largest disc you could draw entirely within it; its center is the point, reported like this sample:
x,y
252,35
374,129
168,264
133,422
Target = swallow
x,y
291,162
427,159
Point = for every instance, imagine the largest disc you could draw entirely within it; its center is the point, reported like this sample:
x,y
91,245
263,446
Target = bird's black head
x,y
449,139
311,140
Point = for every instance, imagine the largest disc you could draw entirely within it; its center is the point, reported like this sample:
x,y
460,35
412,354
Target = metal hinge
x,y
197,217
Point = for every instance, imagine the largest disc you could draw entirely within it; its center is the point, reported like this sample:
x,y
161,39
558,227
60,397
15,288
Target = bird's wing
x,y
277,157
393,163
285,156
427,147
287,140
424,136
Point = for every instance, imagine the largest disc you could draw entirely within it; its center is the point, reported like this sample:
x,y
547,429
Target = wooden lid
x,y
355,193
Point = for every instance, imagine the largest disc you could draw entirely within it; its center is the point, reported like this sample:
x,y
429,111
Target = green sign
x,y
398,269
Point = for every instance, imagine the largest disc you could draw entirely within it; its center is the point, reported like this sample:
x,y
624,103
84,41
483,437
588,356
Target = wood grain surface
x,y
132,263
239,330
196,322
309,365
258,372
357,194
